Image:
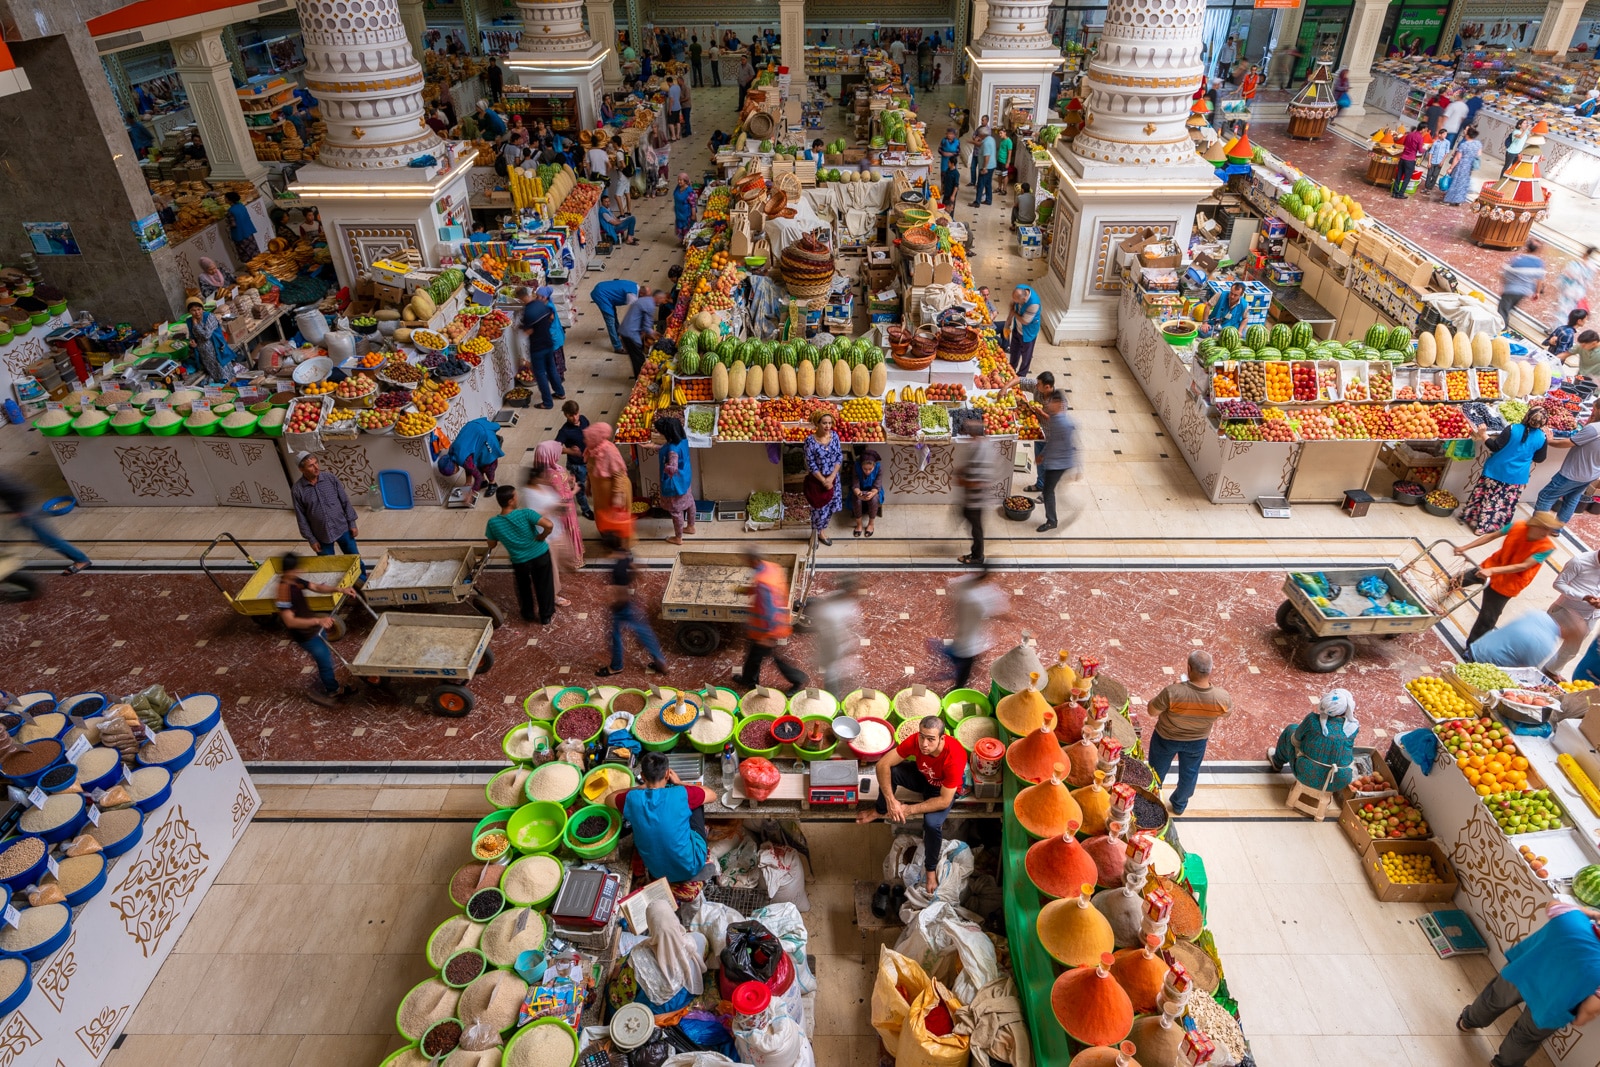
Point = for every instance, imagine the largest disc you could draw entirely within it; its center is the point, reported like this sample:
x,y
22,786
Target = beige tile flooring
x,y
315,928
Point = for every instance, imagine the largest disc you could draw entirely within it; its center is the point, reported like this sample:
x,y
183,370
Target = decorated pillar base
x,y
997,79
581,71
373,215
1098,206
207,76
603,28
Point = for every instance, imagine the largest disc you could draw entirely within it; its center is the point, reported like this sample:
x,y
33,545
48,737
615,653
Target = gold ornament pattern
x,y
100,1031
56,975
163,875
244,805
1510,899
17,1036
215,752
154,471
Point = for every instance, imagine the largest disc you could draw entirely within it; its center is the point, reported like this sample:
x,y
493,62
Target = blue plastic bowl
x,y
176,763
112,851
37,702
106,780
84,705
64,783
92,886
13,1001
27,877
28,781
12,722
205,723
67,829
55,940
160,796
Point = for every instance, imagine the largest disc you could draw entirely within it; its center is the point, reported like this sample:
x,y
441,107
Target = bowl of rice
x,y
54,423
532,880
511,933
182,400
711,731
81,877
164,423
119,830
16,982
99,768
763,701
150,396
810,703
171,749
557,781
202,423
914,703
542,1043
92,423
974,728
504,790
39,932
62,816
866,704
540,706
429,1001
239,423
198,713
523,742
128,421
149,787
875,741
271,423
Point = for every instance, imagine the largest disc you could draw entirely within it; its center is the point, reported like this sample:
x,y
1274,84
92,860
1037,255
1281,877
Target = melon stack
x,y
1444,349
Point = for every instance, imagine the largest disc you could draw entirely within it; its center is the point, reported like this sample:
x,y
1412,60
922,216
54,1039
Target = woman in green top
x,y
523,531
1002,158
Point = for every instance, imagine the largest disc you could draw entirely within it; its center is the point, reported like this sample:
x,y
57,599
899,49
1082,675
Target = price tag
x,y
94,814
162,405
52,405
52,866
11,916
79,747
36,797
200,405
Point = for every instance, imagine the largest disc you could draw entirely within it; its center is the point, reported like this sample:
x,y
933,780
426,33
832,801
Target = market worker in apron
x,y
1228,309
1321,749
933,765
610,297
305,628
668,820
1554,973
1512,567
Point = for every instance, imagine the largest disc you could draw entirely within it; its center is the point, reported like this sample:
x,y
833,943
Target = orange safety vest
x,y
1516,548
769,584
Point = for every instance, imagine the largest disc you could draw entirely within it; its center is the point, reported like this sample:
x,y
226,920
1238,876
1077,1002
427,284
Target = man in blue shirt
x,y
537,315
608,297
1227,310
491,122
668,820
987,161
242,228
1528,640
1022,326
638,328
949,168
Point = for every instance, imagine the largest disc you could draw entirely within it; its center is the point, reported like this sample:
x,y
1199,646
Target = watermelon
x,y
1301,336
688,361
708,359
1256,337
1586,885
1228,337
1242,353
1394,355
1399,338
874,358
1294,353
710,338
745,352
1377,336
728,349
1281,337
1268,353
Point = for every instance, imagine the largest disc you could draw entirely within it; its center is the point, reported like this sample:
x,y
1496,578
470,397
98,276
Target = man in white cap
x,y
323,510
1322,747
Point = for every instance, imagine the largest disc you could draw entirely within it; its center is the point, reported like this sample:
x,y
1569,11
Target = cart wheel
x,y
698,638
17,587
263,621
485,663
1326,656
1288,618
453,701
488,608
337,630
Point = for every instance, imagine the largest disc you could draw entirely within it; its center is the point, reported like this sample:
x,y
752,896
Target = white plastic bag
x,y
784,922
955,867
951,947
698,1059
783,874
710,920
778,1044
740,864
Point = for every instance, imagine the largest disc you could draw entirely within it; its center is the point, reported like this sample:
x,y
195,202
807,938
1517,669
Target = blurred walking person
x,y
769,624
975,600
16,499
977,479
834,621
624,614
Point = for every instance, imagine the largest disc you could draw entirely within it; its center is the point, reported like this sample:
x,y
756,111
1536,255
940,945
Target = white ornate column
x,y
1012,60
556,52
416,24
1360,48
361,68
1133,166
792,45
603,29
1560,23
207,76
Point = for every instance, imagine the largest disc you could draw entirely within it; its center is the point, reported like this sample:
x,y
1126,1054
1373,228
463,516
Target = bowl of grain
x,y
914,703
763,701
84,705
410,1056
60,777
628,701
451,936
39,932
539,705
511,933
542,1043
875,741
463,968
118,831
494,1001
171,749
557,781
61,816
16,982
198,713
592,831
505,788
26,765
149,787
652,729
524,742
81,877
21,860
971,730
37,702
754,738
813,703
47,727
532,880
428,1002
711,731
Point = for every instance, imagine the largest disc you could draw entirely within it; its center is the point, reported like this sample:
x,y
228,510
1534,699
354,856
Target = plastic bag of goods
x,y
761,778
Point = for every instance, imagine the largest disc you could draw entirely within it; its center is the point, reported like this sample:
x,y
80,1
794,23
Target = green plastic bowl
x,y
498,855
56,309
487,967
593,850
203,431
271,431
512,1044
5,334
961,704
242,431
556,731
129,429
563,801
505,742
809,754
537,826
535,904
488,790
714,748
21,328
97,430
527,701
642,694
398,1054
583,796
751,753
489,821
40,318
54,431
171,430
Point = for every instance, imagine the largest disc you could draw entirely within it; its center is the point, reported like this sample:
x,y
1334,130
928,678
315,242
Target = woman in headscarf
x,y
540,493
206,338
682,205
824,457
477,451
867,496
610,491
564,508
1323,746
212,278
677,476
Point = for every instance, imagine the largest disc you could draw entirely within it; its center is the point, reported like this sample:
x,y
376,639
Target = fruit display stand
x,y
84,992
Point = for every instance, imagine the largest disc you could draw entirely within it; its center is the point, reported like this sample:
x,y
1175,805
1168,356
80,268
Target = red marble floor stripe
x,y
119,633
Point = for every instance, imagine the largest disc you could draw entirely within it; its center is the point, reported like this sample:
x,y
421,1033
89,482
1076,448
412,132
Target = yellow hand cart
x,y
257,601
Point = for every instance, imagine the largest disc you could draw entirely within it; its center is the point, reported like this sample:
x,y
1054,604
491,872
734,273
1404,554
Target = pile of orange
x,y
1496,773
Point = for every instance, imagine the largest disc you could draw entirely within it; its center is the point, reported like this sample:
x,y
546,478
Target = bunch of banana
x,y
907,395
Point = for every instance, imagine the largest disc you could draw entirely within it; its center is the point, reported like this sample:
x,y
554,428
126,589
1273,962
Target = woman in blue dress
x,y
677,477
1460,165
824,457
868,494
682,205
1322,747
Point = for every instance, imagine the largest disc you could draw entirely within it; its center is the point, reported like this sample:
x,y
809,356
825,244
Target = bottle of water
x,y
730,764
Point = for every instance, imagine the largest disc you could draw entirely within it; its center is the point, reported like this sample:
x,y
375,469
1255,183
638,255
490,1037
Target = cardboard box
x,y
922,269
1354,829
1294,253
1387,891
1160,253
388,294
1379,766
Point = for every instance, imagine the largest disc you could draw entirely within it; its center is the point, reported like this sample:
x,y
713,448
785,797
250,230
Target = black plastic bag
x,y
752,953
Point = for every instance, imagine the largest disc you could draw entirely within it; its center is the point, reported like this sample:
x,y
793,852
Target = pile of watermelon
x,y
1392,345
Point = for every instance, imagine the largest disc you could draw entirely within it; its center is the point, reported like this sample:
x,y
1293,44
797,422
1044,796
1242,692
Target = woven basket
x,y
911,362
759,125
806,290
789,184
919,239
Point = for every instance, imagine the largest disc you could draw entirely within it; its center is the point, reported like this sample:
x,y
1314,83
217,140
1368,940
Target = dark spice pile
x,y
442,1038
579,724
757,735
592,827
1148,814
463,967
485,905
30,760
58,776
1135,773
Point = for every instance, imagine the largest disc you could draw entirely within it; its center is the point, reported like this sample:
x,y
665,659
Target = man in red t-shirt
x,y
932,765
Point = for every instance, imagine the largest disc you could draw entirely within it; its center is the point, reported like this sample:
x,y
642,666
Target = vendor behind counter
x,y
668,820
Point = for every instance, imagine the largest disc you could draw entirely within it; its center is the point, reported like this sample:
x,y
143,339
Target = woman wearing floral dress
x,y
824,457
1512,453
1460,165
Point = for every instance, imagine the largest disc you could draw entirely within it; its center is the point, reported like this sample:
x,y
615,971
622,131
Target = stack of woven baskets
x,y
958,343
923,350
919,239
807,266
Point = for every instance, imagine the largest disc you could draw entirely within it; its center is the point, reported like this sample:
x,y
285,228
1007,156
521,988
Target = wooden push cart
x,y
447,650
1326,642
412,577
257,601
703,594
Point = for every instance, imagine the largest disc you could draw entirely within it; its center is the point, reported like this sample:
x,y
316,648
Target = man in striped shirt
x,y
1186,711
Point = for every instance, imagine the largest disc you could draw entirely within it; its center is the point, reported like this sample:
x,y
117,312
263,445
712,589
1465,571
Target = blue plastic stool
x,y
394,489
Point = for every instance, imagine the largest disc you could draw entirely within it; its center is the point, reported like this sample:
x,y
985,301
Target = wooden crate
x,y
1379,766
1372,865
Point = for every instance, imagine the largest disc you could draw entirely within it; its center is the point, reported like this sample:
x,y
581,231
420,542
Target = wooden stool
x,y
1317,803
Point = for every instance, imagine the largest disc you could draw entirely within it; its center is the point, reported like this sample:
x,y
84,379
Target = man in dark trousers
x,y
768,623
495,78
697,72
977,478
537,319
